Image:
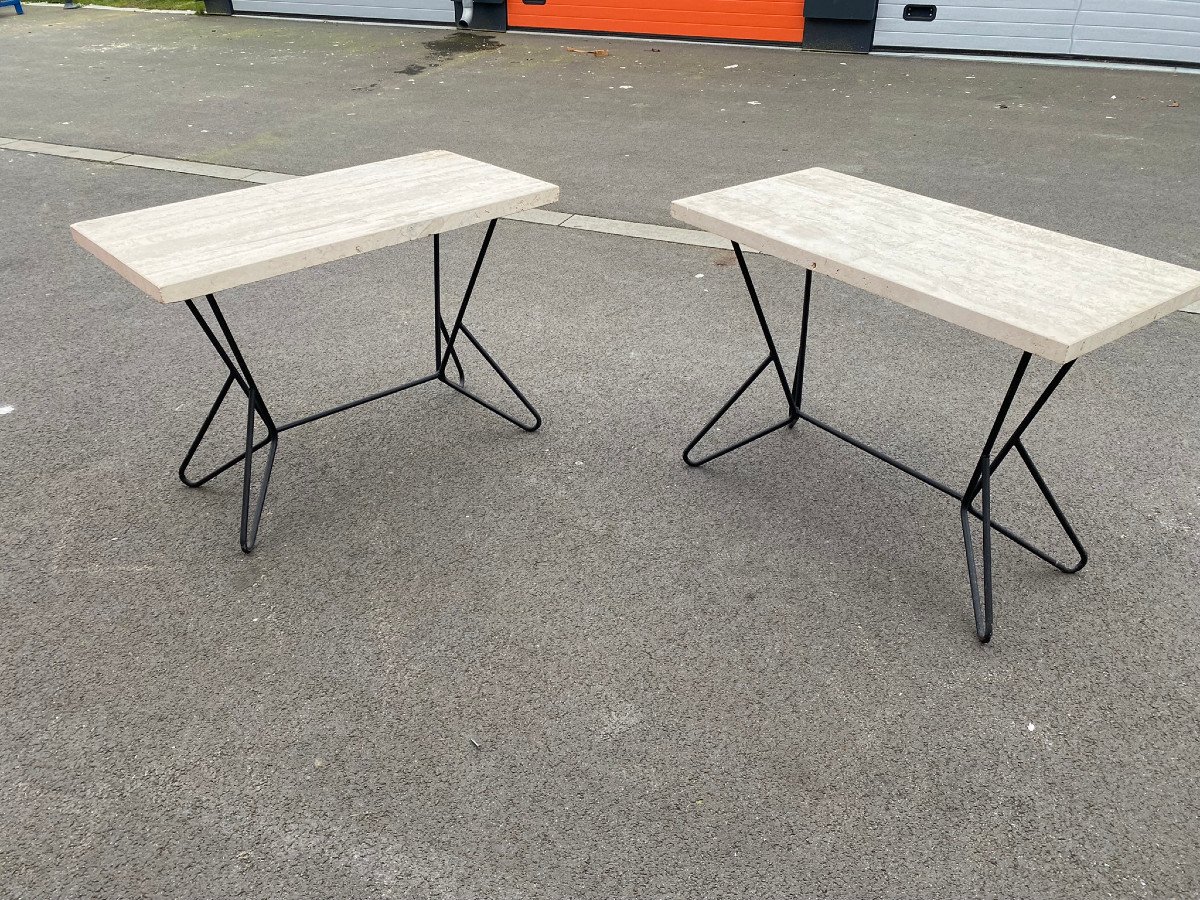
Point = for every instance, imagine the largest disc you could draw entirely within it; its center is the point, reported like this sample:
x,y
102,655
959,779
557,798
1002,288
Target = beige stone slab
x,y
647,231
268,177
540,216
1050,294
196,247
184,166
65,150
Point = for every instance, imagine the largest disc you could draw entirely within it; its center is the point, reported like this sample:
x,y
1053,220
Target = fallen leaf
x,y
599,54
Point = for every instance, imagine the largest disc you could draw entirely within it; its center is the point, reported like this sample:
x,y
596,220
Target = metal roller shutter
x,y
1024,26
1166,30
748,20
396,10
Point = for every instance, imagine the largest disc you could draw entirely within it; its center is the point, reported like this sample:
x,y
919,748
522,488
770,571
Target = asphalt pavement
x,y
470,662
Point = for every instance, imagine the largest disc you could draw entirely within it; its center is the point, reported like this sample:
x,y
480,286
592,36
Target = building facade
x,y
1164,31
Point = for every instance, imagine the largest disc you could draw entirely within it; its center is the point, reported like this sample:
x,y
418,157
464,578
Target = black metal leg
x,y
183,476
981,482
798,380
771,359
439,328
459,327
249,530
979,486
239,374
1014,441
1058,514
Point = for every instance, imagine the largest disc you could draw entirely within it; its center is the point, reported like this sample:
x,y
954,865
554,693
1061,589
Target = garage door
x,y
1025,26
396,10
1166,30
1163,30
744,20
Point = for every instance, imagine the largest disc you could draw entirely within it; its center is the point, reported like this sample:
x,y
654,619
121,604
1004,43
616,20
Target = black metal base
x,y
239,374
978,487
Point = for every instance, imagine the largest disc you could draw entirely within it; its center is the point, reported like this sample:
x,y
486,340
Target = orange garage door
x,y
743,20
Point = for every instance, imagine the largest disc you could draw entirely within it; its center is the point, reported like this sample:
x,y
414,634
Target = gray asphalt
x,y
466,661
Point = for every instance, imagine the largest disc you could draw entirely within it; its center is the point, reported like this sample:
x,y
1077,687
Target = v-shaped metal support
x,y
979,485
460,327
230,353
771,360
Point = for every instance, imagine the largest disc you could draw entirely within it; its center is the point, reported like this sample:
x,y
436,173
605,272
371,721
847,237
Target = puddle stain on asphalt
x,y
456,43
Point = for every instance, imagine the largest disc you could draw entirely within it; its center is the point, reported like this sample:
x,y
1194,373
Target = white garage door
x,y
1165,30
396,10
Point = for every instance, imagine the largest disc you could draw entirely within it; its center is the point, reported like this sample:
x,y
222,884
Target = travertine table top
x,y
1053,295
197,247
